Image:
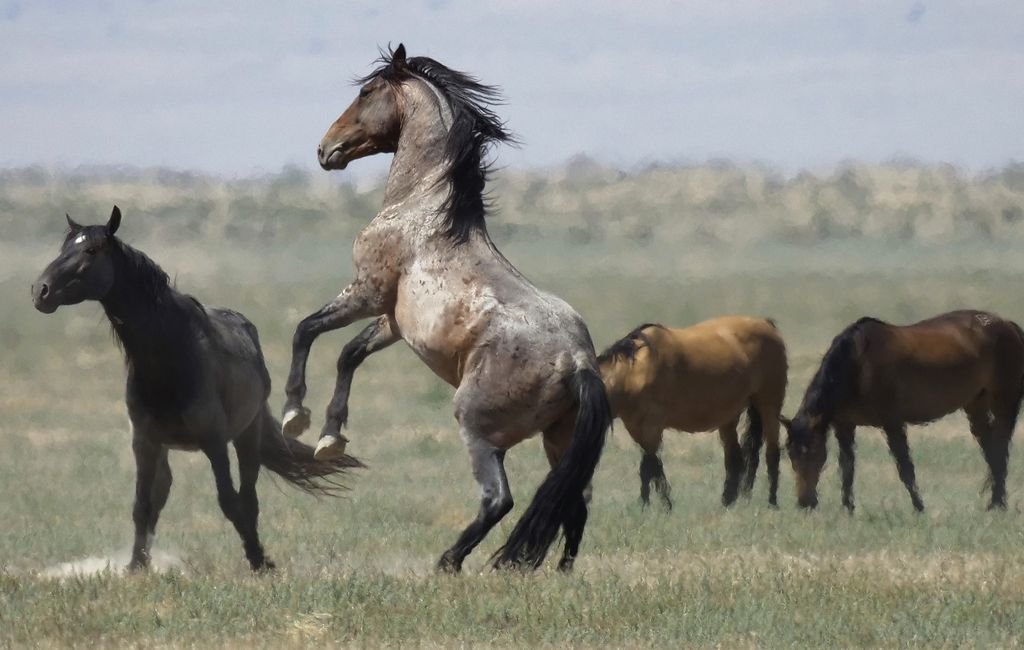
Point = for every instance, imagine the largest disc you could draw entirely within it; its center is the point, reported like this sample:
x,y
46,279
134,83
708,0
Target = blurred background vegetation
x,y
580,202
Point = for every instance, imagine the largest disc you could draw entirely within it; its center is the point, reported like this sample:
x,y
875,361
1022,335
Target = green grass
x,y
359,570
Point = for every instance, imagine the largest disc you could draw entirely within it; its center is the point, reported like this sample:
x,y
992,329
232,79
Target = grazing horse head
x,y
805,443
84,269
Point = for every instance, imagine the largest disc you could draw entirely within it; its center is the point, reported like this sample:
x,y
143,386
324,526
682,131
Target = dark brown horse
x,y
521,359
887,376
701,378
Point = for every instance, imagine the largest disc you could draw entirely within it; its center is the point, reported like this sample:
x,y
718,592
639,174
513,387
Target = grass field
x,y
359,570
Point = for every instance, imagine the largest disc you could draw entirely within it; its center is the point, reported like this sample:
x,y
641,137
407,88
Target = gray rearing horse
x,y
521,359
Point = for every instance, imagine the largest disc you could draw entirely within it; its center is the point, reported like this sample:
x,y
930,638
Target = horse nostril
x,y
319,150
44,291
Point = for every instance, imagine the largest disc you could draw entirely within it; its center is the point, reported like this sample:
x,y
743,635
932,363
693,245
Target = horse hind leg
x,y
495,500
734,462
556,441
238,509
247,449
753,438
767,411
896,436
993,431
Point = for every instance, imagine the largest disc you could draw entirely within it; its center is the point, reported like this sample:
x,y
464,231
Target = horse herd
x,y
521,360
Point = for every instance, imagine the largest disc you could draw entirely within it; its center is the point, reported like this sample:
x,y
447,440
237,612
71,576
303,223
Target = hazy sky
x,y
243,87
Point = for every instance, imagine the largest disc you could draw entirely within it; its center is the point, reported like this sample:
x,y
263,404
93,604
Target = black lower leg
x,y
334,315
845,438
996,449
900,450
733,474
147,457
771,457
374,337
650,470
231,505
495,503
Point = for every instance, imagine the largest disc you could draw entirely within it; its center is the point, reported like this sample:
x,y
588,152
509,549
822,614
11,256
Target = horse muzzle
x,y
42,298
332,157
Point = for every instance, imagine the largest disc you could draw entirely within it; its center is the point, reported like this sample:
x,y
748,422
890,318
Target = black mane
x,y
475,127
625,348
837,375
157,328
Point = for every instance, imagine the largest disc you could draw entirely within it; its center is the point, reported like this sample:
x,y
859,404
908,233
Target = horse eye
x,y
91,250
364,91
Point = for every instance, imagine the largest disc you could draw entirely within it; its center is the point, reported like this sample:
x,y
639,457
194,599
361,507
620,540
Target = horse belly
x,y
705,399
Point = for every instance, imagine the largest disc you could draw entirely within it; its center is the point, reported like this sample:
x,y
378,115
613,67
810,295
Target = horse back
x,y
920,372
699,377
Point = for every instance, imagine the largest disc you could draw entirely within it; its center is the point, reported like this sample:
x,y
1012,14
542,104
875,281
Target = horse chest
x,y
439,324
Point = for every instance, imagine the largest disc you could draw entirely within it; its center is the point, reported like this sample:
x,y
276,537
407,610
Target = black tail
x,y
753,438
561,493
293,461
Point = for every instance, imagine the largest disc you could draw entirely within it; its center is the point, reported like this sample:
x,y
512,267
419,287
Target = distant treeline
x,y
581,202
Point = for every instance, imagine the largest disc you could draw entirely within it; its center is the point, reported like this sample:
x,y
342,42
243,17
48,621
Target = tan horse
x,y
697,379
887,376
521,359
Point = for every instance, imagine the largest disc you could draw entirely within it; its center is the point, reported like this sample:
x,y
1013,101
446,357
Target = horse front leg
x,y
147,461
355,302
845,438
375,337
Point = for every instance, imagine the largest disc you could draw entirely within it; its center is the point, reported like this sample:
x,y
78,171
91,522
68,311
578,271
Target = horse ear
x,y
71,222
398,56
114,222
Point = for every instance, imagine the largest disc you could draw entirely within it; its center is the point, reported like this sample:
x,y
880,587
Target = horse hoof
x,y
330,448
295,422
448,566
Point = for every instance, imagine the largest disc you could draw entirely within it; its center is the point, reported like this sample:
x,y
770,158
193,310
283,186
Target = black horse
x,y
197,380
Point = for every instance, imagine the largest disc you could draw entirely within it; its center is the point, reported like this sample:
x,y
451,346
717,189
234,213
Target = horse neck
x,y
147,322
416,181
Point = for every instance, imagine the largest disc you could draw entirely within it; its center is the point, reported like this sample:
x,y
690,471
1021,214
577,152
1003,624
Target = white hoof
x,y
330,448
295,422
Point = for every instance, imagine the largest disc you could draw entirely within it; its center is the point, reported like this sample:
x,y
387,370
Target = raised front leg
x,y
376,336
900,450
152,486
845,438
231,506
495,500
355,302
